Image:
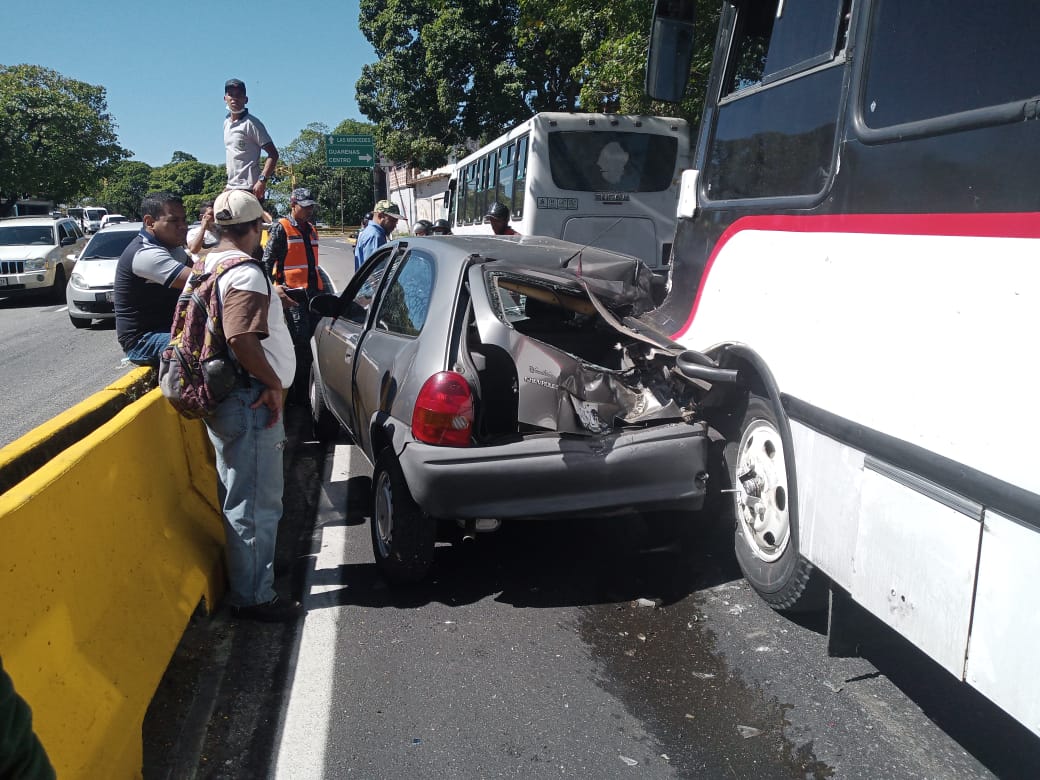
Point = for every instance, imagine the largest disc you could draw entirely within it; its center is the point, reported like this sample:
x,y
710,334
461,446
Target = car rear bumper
x,y
650,468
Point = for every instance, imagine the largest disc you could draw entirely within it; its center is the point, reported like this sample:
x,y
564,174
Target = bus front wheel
x,y
765,515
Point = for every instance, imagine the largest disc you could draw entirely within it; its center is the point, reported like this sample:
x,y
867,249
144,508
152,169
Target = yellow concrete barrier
x,y
105,552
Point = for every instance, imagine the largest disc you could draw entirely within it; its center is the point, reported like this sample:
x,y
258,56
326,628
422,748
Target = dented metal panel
x,y
558,389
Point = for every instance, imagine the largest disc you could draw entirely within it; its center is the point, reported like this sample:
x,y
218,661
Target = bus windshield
x,y
622,162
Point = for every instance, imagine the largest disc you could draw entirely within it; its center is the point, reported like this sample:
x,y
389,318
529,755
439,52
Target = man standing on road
x,y
376,233
244,137
247,430
291,253
149,276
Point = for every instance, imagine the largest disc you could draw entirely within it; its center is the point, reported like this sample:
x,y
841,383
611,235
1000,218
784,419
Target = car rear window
x,y
26,235
407,300
106,245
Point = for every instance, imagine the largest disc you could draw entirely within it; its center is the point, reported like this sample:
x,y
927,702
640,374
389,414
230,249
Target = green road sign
x,y
350,151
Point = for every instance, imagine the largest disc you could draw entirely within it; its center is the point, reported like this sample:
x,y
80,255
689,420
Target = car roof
x,y
121,227
48,220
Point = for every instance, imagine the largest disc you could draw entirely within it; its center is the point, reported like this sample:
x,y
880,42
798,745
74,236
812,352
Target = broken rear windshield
x,y
612,161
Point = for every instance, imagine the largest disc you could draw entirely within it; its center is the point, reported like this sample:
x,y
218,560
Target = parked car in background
x,y
112,219
89,294
37,255
503,378
92,216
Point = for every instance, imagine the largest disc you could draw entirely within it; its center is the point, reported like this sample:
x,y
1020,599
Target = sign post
x,y
350,151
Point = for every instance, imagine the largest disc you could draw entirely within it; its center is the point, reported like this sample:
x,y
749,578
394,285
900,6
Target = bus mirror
x,y
671,50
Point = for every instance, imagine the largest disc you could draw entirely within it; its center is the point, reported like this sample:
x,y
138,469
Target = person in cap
x,y
291,259
291,253
441,228
498,217
423,227
149,276
377,232
247,430
244,138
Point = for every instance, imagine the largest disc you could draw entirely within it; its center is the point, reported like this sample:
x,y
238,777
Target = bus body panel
x,y
1006,627
873,236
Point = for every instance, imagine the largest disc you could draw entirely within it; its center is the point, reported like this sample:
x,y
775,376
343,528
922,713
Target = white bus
x,y
859,246
609,180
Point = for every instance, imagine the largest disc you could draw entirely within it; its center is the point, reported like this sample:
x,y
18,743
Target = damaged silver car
x,y
495,378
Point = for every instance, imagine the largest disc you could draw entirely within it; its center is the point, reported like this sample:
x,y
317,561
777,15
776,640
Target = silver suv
x,y
37,255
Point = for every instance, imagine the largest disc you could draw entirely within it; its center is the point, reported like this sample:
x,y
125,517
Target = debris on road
x,y
747,732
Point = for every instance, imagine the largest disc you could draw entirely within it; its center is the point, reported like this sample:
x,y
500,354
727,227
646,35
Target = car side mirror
x,y
325,305
68,240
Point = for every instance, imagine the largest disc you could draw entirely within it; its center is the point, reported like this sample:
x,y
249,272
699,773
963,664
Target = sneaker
x,y
274,611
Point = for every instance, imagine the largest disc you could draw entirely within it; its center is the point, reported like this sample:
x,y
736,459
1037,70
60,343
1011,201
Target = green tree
x,y
57,138
125,187
442,82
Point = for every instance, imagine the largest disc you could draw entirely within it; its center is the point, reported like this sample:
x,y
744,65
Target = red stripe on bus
x,y
1016,225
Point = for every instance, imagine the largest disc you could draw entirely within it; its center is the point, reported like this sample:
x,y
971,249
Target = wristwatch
x,y
262,178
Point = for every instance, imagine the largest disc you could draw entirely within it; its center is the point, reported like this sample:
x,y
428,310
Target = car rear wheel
x,y
326,426
403,536
58,288
765,515
79,322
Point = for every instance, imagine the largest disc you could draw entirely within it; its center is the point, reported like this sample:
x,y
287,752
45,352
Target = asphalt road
x,y
530,654
48,366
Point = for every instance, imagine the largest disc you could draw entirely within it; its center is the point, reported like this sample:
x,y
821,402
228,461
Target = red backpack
x,y
196,370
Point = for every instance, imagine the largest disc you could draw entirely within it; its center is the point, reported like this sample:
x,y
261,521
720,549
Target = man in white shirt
x,y
247,431
244,138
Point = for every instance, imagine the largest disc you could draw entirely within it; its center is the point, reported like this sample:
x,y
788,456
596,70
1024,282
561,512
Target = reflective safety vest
x,y
293,271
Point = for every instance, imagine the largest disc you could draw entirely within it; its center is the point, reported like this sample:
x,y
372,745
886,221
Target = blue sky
x,y
164,64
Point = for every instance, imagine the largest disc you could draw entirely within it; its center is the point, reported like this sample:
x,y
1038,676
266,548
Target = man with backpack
x,y
246,428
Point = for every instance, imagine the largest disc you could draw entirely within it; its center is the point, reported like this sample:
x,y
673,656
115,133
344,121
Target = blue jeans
x,y
249,472
146,350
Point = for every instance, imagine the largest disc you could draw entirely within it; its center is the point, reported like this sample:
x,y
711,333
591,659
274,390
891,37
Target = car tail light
x,y
444,411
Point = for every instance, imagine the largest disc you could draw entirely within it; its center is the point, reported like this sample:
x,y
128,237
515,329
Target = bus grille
x,y
12,266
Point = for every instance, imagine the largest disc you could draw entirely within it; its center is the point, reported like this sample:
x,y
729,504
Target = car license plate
x,y
3,282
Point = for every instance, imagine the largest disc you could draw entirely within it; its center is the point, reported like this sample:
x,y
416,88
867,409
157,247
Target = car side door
x,y
391,363
342,335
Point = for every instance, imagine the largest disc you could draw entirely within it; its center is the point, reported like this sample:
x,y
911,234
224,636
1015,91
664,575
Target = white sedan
x,y
89,294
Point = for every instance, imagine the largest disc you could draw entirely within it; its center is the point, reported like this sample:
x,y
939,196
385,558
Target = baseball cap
x,y
234,84
302,197
388,207
233,207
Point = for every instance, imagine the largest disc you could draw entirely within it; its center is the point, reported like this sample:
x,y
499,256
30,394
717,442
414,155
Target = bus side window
x,y
752,153
776,39
521,178
506,174
471,193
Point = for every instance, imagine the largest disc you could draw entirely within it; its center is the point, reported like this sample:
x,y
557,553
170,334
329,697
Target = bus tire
x,y
765,515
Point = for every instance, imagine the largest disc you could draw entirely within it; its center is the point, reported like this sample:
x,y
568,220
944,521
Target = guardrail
x,y
110,534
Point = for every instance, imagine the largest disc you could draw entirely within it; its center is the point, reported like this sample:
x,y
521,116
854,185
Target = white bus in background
x,y
610,180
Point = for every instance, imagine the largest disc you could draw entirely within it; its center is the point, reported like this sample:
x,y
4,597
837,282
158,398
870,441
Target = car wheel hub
x,y
761,492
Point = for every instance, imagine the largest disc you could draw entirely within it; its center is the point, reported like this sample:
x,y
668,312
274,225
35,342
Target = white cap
x,y
233,207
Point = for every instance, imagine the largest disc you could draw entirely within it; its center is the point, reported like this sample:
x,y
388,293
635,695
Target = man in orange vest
x,y
291,254
291,258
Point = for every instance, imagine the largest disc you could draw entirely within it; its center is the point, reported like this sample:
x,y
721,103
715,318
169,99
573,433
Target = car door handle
x,y
352,339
